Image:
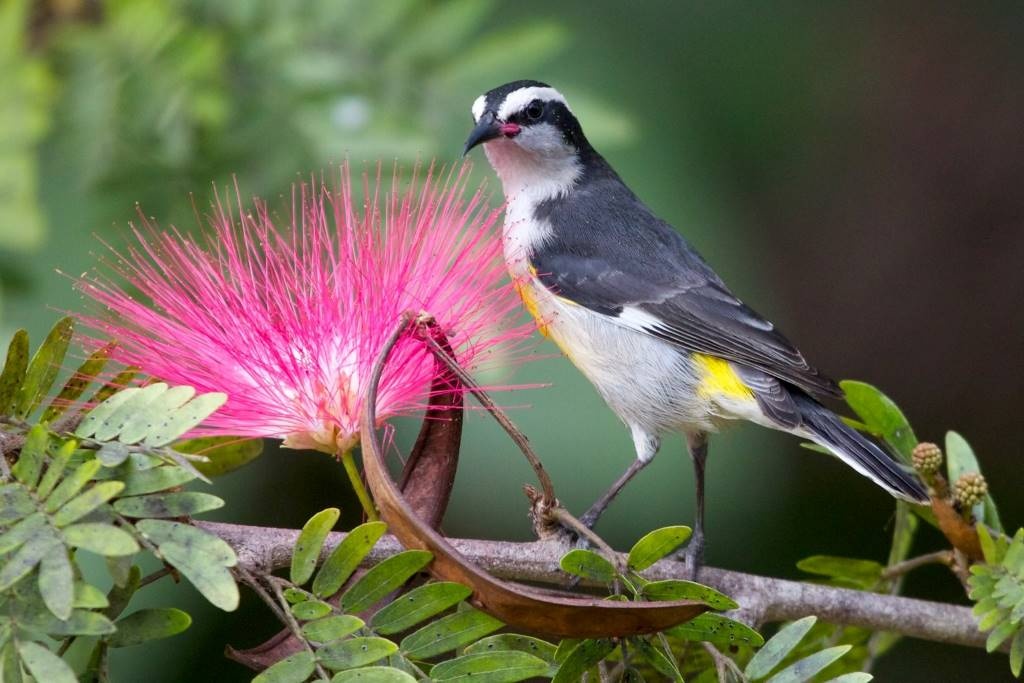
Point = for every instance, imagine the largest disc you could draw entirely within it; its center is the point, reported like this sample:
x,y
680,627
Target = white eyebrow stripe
x,y
518,99
478,107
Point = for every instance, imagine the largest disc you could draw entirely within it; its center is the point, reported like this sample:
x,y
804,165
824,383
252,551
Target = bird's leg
x,y
693,556
646,448
591,516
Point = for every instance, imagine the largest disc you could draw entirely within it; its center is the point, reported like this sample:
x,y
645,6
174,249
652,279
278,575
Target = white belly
x,y
648,383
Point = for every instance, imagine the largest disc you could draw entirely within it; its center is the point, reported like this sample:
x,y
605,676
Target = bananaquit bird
x,y
636,308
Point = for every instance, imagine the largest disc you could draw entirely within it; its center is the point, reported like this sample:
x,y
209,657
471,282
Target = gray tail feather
x,y
829,431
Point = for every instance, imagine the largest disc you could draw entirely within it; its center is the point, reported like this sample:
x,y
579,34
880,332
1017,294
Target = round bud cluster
x,y
927,458
970,489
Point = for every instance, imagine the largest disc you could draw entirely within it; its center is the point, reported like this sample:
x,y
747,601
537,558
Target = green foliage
x,y
656,545
960,459
94,480
668,655
24,117
997,588
782,655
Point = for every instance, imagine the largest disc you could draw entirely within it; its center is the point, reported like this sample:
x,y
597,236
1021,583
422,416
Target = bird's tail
x,y
825,428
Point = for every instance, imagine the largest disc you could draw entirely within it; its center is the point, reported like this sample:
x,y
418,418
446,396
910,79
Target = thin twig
x,y
900,568
293,624
155,576
279,606
514,433
723,664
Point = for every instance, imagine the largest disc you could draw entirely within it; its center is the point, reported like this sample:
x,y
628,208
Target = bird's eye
x,y
535,110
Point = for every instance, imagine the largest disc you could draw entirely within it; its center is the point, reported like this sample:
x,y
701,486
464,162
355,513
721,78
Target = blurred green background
x,y
854,170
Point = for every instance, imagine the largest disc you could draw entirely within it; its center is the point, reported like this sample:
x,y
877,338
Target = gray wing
x,y
647,277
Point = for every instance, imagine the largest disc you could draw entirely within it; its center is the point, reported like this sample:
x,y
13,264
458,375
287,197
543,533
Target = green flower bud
x,y
970,489
927,458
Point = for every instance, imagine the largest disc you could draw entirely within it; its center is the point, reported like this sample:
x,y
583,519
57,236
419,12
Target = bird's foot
x,y
692,556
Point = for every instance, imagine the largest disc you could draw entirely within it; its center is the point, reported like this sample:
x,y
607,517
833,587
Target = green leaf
x,y
373,674
991,514
582,657
89,596
124,587
1017,653
188,416
113,453
355,652
201,557
137,482
852,677
149,624
310,542
224,453
310,609
56,469
565,648
100,416
417,605
332,628
163,532
15,503
174,504
147,417
26,558
294,595
56,581
658,659
383,578
14,537
512,641
344,559
293,669
139,400
880,413
33,454
44,665
10,667
43,368
119,383
1000,633
78,382
86,502
960,459
99,538
863,573
589,565
674,589
778,647
490,667
71,485
714,628
13,374
656,545
448,633
806,668
81,623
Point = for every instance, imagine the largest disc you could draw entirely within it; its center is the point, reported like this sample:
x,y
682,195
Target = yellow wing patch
x,y
719,379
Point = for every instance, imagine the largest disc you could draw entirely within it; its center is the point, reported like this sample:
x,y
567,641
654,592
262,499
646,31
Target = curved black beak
x,y
487,128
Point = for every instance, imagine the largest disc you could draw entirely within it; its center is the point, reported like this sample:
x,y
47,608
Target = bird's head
x,y
528,133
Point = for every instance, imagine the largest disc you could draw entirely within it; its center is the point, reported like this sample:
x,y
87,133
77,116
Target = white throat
x,y
528,179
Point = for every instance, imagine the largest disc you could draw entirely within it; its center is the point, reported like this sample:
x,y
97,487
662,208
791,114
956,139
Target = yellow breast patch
x,y
719,379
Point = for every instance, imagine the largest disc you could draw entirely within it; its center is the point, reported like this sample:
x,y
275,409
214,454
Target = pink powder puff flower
x,y
289,321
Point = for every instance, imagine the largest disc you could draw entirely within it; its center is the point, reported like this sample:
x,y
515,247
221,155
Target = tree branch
x,y
763,599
